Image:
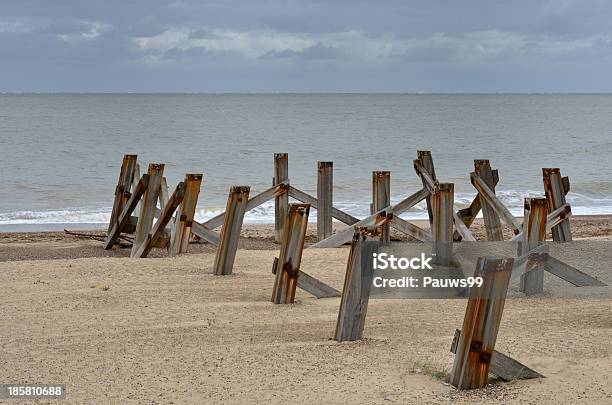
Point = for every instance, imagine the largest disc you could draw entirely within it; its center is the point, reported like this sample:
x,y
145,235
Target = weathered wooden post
x,y
324,199
148,205
181,228
357,284
482,168
288,267
125,215
281,202
556,187
230,233
124,185
424,157
157,231
483,315
442,229
534,234
381,198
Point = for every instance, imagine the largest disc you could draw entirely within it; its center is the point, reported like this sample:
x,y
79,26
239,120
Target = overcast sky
x,y
306,46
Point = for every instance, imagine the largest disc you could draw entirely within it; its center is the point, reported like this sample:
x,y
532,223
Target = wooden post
x,y
181,229
281,202
357,284
381,198
442,230
324,199
483,315
134,185
534,234
230,233
124,185
555,188
288,268
424,157
482,167
148,205
157,232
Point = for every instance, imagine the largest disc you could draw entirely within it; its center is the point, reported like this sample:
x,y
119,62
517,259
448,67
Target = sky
x,y
270,46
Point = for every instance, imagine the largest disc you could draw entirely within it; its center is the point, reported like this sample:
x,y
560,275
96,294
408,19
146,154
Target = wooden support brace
x,y
442,229
357,285
571,274
381,198
462,229
290,257
308,199
505,367
325,199
157,231
234,215
410,229
163,193
492,201
468,215
534,234
491,218
281,202
134,185
148,205
483,315
122,191
376,219
311,284
183,221
126,215
555,188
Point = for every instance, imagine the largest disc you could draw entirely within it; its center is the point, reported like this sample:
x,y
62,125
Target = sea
x,y
60,154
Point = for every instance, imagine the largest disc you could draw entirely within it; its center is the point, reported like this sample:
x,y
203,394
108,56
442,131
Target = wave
x,y
582,204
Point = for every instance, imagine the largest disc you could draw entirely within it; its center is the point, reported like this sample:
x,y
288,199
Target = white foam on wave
x,y
582,204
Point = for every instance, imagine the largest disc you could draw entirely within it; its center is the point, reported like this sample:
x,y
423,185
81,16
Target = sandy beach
x,y
164,330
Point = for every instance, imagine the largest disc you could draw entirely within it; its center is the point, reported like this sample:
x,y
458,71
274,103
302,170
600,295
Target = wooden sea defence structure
x,y
143,207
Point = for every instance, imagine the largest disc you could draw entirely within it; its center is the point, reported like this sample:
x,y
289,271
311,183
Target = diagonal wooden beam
x,y
490,197
468,215
462,229
571,274
505,367
308,199
410,229
158,229
375,219
311,284
125,215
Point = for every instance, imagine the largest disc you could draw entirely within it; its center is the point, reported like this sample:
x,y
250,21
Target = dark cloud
x,y
242,45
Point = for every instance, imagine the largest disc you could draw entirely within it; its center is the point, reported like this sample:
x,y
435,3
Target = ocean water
x,y
60,154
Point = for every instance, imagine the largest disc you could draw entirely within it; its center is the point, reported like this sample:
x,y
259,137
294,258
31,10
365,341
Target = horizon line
x,y
289,93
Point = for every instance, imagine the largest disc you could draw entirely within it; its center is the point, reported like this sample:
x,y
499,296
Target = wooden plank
x,y
410,229
157,232
183,221
357,285
126,215
290,258
163,193
442,229
148,205
424,168
281,202
308,199
375,219
254,202
491,199
230,233
505,367
381,198
122,191
555,188
491,218
325,199
534,234
481,324
552,219
134,185
571,274
311,284
468,215
208,235
462,229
